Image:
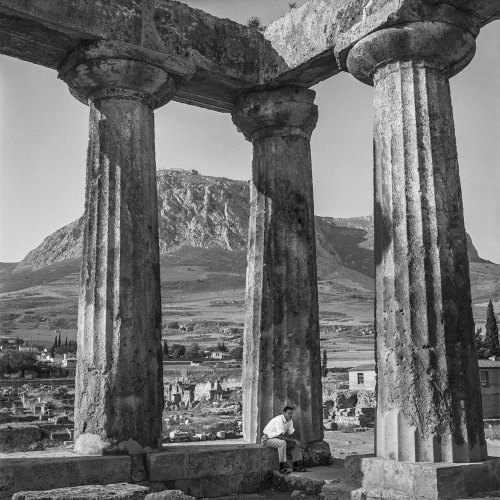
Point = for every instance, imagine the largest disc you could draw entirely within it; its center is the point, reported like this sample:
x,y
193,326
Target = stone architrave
x,y
119,390
428,391
282,352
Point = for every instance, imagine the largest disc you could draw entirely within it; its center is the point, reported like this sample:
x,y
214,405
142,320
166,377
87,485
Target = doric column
x,y
428,392
281,352
119,392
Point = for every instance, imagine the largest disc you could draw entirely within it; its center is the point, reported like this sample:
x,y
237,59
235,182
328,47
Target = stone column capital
x,y
100,74
287,111
444,47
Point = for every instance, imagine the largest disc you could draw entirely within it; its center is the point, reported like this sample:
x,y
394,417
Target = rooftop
x,y
363,368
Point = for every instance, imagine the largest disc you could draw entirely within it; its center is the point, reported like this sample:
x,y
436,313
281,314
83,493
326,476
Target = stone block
x,y
169,495
227,461
221,463
423,480
247,460
121,491
166,465
247,483
158,486
190,487
138,472
270,459
18,437
318,453
205,461
292,482
60,436
209,487
44,473
342,491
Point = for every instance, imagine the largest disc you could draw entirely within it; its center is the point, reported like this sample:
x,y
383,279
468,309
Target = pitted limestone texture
x,y
281,351
119,391
428,404
218,59
23,472
169,495
286,111
120,491
399,480
434,45
92,74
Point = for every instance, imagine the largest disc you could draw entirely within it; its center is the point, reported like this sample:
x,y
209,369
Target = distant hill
x,y
203,226
202,212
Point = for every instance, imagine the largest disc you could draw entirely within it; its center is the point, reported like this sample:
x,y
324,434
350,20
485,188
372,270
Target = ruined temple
x,y
126,58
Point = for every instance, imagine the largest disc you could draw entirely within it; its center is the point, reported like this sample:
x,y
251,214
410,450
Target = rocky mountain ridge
x,y
211,212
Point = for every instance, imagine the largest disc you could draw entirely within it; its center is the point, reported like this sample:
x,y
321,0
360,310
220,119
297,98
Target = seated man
x,y
278,433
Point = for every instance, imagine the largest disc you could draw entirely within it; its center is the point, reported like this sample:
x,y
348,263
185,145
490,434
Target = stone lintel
x,y
320,33
390,479
184,41
485,11
112,49
304,47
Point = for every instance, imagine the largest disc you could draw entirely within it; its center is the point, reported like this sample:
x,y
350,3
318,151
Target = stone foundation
x,y
198,470
317,453
390,480
211,470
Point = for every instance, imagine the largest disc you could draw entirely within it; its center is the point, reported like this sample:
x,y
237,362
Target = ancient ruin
x,y
124,59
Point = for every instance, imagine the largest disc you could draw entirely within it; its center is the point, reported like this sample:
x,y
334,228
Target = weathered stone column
x,y
281,360
119,391
428,392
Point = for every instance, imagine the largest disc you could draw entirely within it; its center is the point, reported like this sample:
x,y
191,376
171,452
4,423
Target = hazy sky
x,y
44,133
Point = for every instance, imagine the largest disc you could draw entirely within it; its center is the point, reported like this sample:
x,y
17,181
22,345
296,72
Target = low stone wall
x,y
18,437
211,470
37,471
200,470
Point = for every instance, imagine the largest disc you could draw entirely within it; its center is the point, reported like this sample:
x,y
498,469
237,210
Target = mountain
x,y
201,212
193,210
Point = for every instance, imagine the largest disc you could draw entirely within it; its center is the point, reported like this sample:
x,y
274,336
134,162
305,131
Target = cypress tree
x,y
491,340
324,369
59,341
66,342
55,341
165,348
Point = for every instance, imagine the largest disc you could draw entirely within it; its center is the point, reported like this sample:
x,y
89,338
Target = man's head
x,y
288,413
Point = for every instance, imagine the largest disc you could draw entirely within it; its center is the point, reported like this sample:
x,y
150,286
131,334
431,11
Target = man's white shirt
x,y
277,426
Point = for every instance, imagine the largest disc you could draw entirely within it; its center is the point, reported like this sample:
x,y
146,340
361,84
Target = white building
x,y
68,363
489,376
362,377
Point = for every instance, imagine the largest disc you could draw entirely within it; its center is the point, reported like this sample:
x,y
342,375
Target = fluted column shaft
x,y
119,391
428,392
281,360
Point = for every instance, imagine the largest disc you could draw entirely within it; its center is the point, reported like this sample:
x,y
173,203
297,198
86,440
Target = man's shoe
x,y
299,467
283,468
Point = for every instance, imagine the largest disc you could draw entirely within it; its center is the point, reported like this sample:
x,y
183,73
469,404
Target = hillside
x,y
197,211
203,223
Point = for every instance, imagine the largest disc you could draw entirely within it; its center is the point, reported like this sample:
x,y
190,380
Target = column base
x,y
93,444
317,453
380,478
